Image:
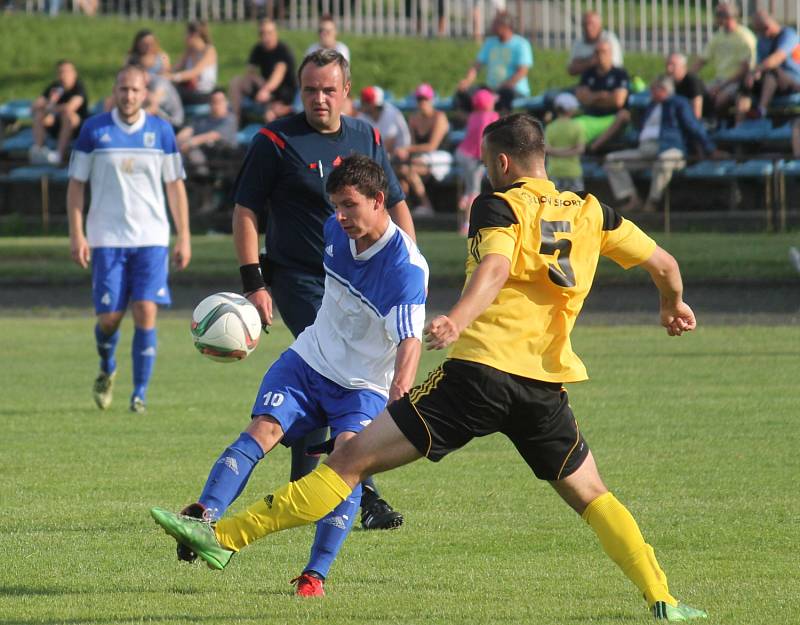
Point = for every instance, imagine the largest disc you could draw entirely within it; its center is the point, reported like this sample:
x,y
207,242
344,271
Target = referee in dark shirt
x,y
282,185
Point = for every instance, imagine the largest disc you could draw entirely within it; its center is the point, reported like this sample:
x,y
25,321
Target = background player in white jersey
x,y
126,155
362,348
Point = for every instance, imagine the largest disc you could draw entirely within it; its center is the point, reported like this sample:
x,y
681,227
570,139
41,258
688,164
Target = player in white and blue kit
x,y
362,350
128,157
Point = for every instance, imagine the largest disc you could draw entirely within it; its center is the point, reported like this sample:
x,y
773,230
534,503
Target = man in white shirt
x,y
127,155
327,38
582,56
386,118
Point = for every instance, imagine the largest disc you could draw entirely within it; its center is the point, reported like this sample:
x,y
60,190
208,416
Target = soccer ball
x,y
225,327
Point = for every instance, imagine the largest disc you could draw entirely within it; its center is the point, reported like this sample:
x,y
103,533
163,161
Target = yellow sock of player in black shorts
x,y
623,542
297,503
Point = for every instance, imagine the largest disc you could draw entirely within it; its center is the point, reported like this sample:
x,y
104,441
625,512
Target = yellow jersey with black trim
x,y
553,241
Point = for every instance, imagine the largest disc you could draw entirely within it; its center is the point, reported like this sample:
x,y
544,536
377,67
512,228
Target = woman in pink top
x,y
468,153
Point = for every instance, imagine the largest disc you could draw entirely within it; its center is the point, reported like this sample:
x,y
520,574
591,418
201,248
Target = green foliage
x,y
695,435
30,46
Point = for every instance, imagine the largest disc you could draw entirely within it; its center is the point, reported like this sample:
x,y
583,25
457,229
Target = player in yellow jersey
x,y
532,257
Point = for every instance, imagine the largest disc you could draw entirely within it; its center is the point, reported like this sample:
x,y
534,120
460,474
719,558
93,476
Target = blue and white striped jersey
x,y
126,165
372,302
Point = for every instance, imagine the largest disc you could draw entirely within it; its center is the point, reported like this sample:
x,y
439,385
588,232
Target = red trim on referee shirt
x,y
273,137
377,134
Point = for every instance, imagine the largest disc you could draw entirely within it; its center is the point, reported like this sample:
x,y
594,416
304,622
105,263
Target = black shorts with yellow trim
x,y
461,400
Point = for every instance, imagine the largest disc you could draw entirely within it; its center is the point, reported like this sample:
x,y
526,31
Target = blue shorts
x,y
123,274
302,400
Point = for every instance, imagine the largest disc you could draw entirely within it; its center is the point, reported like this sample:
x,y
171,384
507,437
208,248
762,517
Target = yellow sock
x,y
623,542
297,503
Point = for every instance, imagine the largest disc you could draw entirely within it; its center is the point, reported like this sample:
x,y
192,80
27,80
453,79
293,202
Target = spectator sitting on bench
x,y
468,153
147,53
603,93
687,84
270,79
423,157
58,112
327,38
215,130
669,125
732,50
777,70
507,57
196,72
163,100
565,140
582,56
386,117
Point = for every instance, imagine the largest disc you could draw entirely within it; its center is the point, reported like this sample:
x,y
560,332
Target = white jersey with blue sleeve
x,y
126,165
372,302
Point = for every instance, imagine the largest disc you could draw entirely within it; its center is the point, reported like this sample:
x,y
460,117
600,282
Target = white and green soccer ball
x,y
225,327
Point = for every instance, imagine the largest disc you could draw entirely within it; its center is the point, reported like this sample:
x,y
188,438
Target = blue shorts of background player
x,y
124,274
121,275
300,400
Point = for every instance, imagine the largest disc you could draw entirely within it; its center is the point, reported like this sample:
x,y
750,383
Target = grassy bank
x,y
30,45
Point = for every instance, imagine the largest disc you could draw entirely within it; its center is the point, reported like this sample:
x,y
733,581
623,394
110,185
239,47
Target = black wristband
x,y
251,278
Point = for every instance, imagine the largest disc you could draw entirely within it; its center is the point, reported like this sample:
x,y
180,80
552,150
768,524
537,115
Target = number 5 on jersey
x,y
561,274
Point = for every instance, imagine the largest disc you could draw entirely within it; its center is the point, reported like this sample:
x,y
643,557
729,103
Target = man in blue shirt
x,y
669,125
282,185
507,58
777,70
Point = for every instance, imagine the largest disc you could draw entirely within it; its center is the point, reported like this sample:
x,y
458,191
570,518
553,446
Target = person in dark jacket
x,y
669,125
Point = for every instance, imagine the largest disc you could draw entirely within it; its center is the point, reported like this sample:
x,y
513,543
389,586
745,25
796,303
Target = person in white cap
x,y
566,142
385,117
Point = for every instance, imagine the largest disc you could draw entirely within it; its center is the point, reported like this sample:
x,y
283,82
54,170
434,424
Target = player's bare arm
x,y
481,291
245,240
676,316
79,247
402,217
405,367
179,207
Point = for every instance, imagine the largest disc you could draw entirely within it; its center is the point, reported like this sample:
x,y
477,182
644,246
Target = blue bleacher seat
x,y
639,100
749,131
780,134
407,104
791,101
593,170
532,104
19,142
454,137
789,168
444,104
246,134
755,168
15,110
709,169
34,173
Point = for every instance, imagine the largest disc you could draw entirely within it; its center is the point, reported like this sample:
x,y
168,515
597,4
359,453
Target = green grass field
x,y
715,257
696,435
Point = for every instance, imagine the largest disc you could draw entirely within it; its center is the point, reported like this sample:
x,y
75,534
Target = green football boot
x,y
662,611
196,534
103,388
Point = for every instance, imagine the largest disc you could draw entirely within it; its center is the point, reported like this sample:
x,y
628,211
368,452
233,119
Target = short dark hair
x,y
61,62
361,172
323,57
217,90
518,135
